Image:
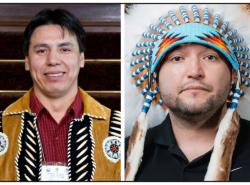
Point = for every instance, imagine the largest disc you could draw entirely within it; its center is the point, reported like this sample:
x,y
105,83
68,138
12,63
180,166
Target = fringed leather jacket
x,y
93,151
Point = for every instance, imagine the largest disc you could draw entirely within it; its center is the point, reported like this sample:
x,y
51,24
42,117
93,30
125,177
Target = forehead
x,y
192,47
52,33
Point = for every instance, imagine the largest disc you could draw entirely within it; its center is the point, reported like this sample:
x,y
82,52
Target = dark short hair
x,y
59,17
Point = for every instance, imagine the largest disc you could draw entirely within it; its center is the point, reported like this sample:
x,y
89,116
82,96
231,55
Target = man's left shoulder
x,y
244,124
244,136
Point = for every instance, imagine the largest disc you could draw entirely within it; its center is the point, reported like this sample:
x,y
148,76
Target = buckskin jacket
x,y
93,143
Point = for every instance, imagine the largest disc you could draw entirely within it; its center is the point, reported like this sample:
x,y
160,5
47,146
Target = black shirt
x,y
163,160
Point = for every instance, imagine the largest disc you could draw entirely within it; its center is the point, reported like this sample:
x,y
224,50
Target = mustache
x,y
195,85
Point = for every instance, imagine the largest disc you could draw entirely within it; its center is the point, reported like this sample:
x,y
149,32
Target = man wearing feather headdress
x,y
194,65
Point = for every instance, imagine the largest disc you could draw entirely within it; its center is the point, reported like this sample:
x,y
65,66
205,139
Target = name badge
x,y
54,173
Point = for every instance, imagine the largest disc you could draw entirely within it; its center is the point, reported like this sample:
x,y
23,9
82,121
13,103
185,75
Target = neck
x,y
56,106
196,136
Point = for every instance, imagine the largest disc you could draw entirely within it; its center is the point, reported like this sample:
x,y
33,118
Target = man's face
x,y
194,80
54,60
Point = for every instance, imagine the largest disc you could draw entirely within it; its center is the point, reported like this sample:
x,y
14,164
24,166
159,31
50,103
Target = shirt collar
x,y
164,133
91,107
35,104
76,106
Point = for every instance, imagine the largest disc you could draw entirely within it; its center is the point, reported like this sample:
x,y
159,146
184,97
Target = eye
x,y
176,59
65,50
211,58
41,51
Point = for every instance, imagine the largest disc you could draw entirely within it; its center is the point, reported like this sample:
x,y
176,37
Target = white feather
x,y
215,160
136,153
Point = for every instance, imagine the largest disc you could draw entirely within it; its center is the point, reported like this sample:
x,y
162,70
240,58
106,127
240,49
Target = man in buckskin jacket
x,y
56,131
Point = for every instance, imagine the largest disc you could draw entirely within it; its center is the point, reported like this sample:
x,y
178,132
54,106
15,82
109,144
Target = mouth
x,y
54,74
194,88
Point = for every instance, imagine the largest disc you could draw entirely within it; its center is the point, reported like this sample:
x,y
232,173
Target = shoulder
x,y
150,136
101,113
244,136
244,122
244,126
20,105
94,108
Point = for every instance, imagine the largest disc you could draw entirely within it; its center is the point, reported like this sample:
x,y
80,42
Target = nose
x,y
53,58
195,68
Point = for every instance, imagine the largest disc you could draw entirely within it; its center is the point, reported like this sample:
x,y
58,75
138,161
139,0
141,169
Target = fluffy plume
x,y
220,162
136,146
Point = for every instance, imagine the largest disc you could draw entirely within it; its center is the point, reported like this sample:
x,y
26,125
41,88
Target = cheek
x,y
221,79
37,63
73,69
73,66
35,67
72,61
168,79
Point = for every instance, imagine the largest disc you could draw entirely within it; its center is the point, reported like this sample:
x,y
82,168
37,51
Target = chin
x,y
194,105
195,101
55,91
195,109
200,95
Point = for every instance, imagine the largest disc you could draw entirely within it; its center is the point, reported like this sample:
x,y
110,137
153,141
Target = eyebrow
x,y
46,45
40,46
65,44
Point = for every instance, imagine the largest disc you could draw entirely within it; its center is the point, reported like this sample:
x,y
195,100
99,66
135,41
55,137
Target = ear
x,y
82,60
27,63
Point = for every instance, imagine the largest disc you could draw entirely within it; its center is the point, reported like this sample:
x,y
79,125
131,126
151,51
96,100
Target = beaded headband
x,y
174,30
